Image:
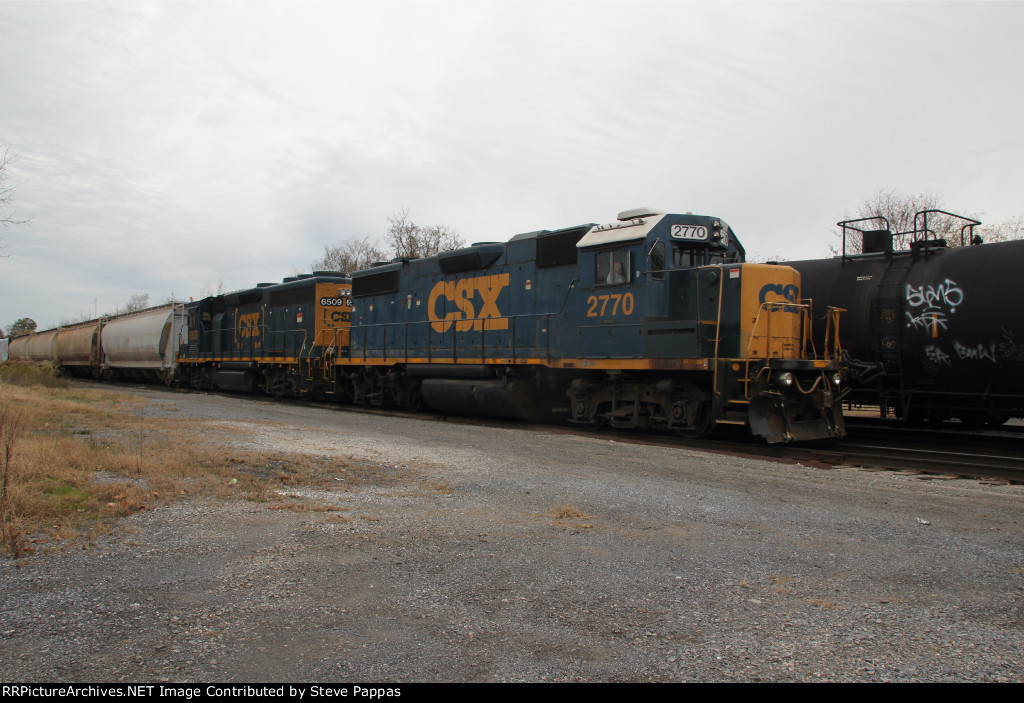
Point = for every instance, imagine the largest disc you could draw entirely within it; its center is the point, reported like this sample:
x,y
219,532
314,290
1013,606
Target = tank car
x,y
280,339
930,332
650,321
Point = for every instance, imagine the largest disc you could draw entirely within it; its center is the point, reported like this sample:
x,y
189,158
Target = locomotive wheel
x,y
416,403
702,426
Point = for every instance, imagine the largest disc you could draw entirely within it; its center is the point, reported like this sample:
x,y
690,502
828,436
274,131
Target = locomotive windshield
x,y
693,255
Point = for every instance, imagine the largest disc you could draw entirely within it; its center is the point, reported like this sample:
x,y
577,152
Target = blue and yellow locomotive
x,y
653,321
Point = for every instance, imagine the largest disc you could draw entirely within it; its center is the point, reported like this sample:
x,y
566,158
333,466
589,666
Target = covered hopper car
x,y
137,345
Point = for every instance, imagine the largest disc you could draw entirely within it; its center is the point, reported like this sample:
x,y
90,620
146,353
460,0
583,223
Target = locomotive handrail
x,y
510,350
718,339
770,307
832,332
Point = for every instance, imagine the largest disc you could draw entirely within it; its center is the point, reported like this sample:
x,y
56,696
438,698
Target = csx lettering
x,y
248,324
463,292
787,292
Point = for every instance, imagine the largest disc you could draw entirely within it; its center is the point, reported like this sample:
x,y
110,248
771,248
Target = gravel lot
x,y
509,554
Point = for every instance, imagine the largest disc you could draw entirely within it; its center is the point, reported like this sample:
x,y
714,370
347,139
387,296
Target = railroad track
x,y
990,454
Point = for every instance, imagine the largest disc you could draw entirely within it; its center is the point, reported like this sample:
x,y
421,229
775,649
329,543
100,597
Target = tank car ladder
x,y
887,329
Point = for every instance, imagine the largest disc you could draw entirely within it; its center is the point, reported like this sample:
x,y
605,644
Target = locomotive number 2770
x,y
598,304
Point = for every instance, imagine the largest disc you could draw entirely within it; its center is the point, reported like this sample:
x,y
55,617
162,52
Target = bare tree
x,y
209,290
406,239
1005,230
351,255
136,302
7,214
411,241
900,209
83,316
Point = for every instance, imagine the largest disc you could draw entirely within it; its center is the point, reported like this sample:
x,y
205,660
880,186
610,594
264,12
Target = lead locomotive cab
x,y
680,333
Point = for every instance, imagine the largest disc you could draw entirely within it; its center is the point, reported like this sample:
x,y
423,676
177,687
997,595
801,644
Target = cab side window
x,y
658,260
611,267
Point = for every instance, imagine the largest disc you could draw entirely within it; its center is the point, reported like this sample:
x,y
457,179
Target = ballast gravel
x,y
515,554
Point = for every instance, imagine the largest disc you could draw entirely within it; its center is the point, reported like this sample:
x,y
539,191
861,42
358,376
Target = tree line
x,y
899,209
404,239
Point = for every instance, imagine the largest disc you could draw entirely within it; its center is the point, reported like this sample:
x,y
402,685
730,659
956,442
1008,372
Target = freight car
x,y
651,321
137,345
933,332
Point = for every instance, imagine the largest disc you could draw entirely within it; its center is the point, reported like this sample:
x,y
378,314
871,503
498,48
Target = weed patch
x,y
73,460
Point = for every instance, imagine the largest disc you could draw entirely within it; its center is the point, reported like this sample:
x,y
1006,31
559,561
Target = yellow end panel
x,y
773,330
333,314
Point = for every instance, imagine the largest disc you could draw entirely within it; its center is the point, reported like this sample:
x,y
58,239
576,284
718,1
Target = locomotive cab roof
x,y
632,225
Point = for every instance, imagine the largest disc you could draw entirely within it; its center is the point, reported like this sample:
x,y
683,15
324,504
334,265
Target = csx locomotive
x,y
652,321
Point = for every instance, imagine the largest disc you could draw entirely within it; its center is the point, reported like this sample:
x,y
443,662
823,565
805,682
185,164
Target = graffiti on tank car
x,y
1008,348
931,321
946,294
936,356
932,305
778,293
980,352
477,302
861,371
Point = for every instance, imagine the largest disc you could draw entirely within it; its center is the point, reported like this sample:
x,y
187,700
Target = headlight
x,y
836,379
784,378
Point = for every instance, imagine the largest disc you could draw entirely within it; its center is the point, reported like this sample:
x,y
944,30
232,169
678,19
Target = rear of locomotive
x,y
281,339
716,341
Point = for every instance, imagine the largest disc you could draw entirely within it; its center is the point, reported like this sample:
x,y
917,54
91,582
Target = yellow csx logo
x,y
249,325
462,293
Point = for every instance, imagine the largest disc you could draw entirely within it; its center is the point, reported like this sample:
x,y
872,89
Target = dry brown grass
x,y
570,516
76,460
567,512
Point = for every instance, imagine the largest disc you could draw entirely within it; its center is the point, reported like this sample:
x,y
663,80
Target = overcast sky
x,y
165,147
